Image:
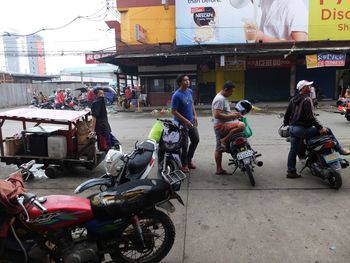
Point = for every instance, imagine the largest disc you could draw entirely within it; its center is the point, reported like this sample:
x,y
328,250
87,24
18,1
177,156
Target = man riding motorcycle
x,y
303,125
226,123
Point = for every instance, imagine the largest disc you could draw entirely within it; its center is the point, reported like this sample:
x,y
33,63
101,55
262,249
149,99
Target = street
x,y
225,219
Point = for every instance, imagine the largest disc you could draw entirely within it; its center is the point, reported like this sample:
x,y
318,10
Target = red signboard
x,y
268,63
92,58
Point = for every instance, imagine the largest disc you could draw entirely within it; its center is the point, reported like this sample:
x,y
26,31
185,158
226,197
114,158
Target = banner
x,y
325,60
209,22
92,58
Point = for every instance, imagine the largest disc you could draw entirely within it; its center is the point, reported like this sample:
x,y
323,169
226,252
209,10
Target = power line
x,y
93,17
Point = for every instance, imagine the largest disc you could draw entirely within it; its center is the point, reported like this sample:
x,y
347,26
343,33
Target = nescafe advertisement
x,y
203,16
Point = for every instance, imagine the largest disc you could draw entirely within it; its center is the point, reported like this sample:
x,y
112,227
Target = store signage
x,y
231,64
325,60
140,34
246,21
268,63
92,58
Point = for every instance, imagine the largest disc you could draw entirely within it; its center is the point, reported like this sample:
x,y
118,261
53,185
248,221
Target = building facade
x,y
213,41
24,55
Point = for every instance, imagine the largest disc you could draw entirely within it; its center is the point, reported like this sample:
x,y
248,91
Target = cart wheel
x,y
51,172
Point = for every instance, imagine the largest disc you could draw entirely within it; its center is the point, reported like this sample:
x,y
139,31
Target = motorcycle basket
x,y
175,177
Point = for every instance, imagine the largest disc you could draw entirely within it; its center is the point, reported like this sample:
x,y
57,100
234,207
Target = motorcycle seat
x,y
129,198
236,136
141,160
315,141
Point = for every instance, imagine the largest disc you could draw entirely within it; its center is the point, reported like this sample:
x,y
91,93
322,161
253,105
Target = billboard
x,y
247,21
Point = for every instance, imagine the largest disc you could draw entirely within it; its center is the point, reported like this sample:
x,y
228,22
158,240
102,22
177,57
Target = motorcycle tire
x,y
152,254
334,179
249,172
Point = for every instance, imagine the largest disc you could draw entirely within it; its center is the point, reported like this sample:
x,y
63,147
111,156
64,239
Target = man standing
x,y
226,123
100,125
182,107
303,124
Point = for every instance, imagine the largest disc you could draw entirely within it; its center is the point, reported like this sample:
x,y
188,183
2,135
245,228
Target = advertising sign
x,y
325,60
92,58
268,63
246,21
140,34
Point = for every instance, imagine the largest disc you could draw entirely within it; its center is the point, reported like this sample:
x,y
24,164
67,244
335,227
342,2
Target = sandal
x,y
222,172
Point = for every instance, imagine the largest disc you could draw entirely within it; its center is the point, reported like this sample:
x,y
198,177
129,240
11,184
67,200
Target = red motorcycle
x,y
123,221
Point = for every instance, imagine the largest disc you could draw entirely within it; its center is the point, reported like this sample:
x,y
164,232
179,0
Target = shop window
x,y
157,85
170,85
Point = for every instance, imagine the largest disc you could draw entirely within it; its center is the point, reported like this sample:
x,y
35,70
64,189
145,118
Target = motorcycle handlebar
x,y
28,165
24,198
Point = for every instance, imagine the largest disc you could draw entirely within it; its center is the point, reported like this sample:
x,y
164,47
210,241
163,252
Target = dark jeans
x,y
297,147
188,152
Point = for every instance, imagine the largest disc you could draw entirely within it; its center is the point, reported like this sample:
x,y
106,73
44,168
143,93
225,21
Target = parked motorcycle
x,y
138,164
122,221
169,136
243,156
343,106
324,161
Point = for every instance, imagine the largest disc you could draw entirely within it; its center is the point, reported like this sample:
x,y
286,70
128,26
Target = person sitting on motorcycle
x,y
226,123
303,125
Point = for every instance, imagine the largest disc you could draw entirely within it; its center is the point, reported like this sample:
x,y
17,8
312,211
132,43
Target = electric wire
x,y
94,17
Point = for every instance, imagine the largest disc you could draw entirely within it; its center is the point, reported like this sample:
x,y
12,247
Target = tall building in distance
x,y
24,54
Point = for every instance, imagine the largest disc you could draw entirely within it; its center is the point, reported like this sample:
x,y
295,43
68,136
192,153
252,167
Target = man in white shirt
x,y
283,20
226,123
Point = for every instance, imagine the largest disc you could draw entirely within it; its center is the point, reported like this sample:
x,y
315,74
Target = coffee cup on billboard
x,y
239,3
250,30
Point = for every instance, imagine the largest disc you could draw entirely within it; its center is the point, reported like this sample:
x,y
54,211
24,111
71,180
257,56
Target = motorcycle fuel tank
x,y
63,211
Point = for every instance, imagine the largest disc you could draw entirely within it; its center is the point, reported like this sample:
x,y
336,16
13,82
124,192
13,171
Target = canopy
x,y
43,114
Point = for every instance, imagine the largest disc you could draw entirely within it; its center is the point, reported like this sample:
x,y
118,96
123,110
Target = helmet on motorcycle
x,y
243,107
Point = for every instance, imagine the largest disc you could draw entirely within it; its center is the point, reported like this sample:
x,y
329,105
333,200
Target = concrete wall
x,y
18,94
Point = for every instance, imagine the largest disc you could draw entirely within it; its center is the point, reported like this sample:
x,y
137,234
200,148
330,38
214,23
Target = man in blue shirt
x,y
182,108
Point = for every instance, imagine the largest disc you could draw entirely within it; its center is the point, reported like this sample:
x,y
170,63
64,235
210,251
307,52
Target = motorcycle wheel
x,y
249,172
334,180
158,244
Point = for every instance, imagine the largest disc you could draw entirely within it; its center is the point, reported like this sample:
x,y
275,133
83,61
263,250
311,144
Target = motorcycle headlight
x,y
113,162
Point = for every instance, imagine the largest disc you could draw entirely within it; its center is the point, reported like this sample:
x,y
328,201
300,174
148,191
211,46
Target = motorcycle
x,y
169,136
343,106
138,164
323,160
122,221
243,156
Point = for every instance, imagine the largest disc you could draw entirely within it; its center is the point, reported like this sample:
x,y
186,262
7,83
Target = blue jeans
x,y
298,134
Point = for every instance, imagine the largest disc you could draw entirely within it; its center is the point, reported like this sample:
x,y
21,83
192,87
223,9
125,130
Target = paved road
x,y
227,220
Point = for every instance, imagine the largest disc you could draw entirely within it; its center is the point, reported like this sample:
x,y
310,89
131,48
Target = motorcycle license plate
x,y
245,154
329,158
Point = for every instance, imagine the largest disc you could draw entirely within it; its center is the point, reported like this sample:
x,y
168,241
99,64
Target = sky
x,y
82,36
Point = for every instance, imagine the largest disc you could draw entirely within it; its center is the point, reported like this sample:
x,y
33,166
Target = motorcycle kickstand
x,y
136,223
234,170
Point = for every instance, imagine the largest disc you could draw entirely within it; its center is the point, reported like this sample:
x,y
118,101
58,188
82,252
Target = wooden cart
x,y
85,155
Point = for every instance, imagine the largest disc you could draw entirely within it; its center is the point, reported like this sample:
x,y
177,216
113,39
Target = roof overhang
x,y
171,55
